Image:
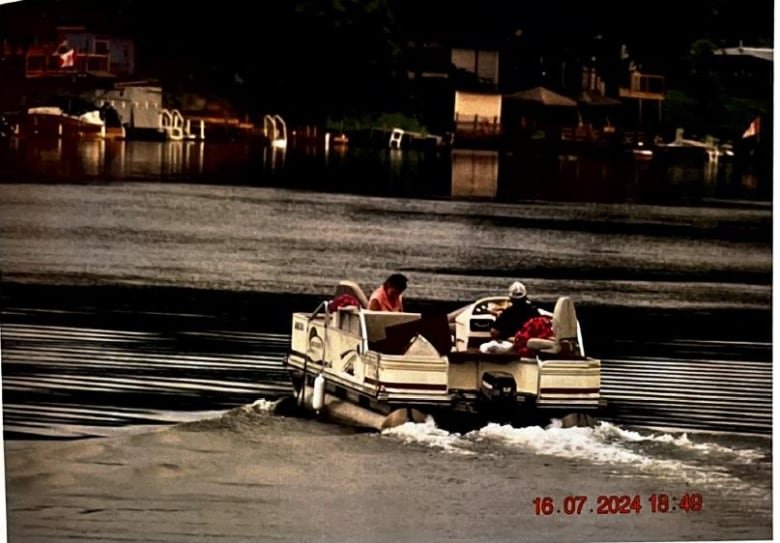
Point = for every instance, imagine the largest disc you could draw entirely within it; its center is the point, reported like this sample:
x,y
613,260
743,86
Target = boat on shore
x,y
380,369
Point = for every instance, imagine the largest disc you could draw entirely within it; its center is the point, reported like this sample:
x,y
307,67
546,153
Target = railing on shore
x,y
41,64
477,126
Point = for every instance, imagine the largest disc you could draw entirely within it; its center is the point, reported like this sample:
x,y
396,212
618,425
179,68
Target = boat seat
x,y
353,289
564,319
565,340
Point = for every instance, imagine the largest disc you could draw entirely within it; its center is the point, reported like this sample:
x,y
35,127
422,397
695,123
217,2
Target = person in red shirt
x,y
388,296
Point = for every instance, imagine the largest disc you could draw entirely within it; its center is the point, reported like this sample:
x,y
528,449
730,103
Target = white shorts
x,y
496,346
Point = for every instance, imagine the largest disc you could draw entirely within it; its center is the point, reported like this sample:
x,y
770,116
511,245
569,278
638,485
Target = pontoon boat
x,y
380,369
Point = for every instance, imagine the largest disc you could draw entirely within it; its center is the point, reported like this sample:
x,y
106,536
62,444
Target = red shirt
x,y
385,303
537,327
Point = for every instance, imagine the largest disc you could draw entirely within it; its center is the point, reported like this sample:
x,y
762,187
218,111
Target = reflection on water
x,y
474,174
273,158
155,160
530,174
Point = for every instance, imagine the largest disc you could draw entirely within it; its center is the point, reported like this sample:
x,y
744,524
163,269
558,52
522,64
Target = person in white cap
x,y
515,316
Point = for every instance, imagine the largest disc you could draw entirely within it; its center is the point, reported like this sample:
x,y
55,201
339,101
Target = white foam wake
x,y
554,440
604,444
261,406
612,445
427,433
744,455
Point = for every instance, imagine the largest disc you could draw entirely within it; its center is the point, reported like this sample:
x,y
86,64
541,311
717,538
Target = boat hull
x,y
50,123
460,411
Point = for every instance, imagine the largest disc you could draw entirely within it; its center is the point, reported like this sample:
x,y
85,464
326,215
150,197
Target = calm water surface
x,y
245,223
531,174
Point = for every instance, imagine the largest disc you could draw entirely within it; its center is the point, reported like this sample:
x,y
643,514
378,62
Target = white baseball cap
x,y
517,290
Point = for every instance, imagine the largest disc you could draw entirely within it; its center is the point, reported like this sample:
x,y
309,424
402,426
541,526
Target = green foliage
x,y
702,47
726,119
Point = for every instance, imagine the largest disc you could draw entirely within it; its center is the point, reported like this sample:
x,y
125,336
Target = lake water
x,y
532,174
148,284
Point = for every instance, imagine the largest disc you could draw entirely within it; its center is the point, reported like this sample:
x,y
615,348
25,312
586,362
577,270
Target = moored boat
x,y
52,121
70,118
379,369
692,149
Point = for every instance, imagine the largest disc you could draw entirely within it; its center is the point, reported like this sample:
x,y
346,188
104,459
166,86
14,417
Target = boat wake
x,y
427,433
698,459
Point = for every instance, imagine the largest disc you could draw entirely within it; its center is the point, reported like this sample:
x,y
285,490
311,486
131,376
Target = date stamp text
x,y
618,505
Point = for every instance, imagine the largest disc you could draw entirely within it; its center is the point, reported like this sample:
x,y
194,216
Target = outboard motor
x,y
498,388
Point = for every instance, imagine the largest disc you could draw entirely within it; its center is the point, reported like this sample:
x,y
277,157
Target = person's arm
x,y
401,303
373,305
498,325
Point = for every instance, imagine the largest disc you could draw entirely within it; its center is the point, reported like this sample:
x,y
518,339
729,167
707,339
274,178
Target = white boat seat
x,y
564,319
353,289
564,326
564,347
546,345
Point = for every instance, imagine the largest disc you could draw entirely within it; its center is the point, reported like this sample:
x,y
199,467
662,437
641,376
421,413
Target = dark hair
x,y
397,280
